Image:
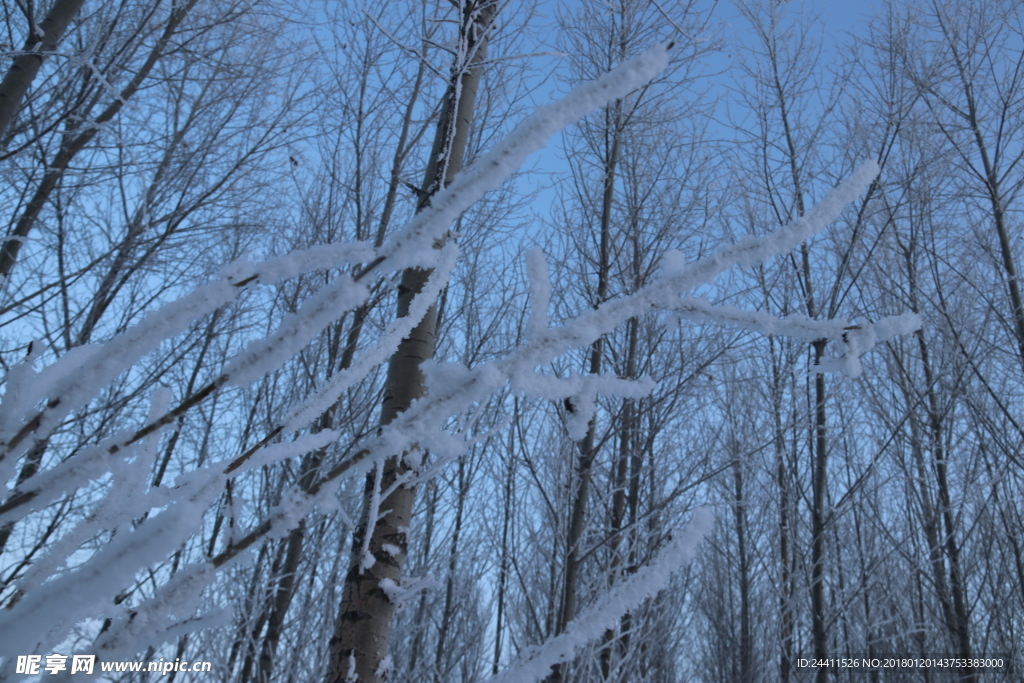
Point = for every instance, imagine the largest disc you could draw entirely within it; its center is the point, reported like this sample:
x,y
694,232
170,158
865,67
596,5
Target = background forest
x,y
211,207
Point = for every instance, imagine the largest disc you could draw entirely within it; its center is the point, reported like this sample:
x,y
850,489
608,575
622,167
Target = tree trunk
x,y
506,522
42,38
587,447
819,627
627,444
453,560
745,653
359,646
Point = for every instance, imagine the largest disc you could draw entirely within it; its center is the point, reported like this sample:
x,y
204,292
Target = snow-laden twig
x,y
68,388
535,662
418,427
296,330
47,609
129,474
529,136
856,339
79,375
42,617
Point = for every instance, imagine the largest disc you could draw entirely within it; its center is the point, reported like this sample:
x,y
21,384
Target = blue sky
x,y
836,19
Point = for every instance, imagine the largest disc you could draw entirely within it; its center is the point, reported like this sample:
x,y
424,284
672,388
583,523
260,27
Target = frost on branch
x,y
37,402
535,662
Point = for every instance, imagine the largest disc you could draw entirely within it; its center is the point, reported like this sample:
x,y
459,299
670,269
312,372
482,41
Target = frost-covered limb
x,y
750,250
127,502
529,136
678,278
81,373
97,461
582,391
401,593
89,463
43,617
296,330
535,662
77,377
399,328
105,573
857,339
158,620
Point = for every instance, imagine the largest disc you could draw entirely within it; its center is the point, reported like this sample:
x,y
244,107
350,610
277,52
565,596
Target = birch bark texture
x,y
359,646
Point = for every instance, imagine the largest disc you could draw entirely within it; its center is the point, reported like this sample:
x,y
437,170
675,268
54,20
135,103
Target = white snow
x,y
36,402
535,662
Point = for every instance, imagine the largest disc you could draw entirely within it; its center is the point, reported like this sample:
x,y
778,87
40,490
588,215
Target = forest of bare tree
x,y
452,341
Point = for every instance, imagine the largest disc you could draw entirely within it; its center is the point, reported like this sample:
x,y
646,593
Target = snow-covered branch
x,y
42,614
535,663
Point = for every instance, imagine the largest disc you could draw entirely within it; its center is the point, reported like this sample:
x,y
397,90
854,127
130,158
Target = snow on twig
x,y
44,614
419,426
79,375
535,662
856,339
399,328
529,136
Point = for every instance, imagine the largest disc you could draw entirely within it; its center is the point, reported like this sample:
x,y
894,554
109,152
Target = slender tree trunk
x,y
421,607
362,632
506,523
819,483
587,447
745,654
782,476
958,620
453,560
819,443
940,526
865,580
621,484
636,467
